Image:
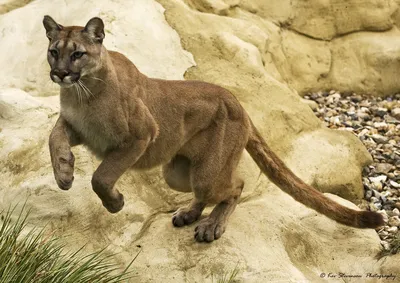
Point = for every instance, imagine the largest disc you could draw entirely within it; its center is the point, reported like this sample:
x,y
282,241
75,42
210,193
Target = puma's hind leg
x,y
214,181
212,227
177,175
214,155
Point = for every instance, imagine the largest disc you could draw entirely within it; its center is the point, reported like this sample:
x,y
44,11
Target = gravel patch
x,y
376,122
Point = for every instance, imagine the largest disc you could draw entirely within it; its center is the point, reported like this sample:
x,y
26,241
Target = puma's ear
x,y
51,26
95,29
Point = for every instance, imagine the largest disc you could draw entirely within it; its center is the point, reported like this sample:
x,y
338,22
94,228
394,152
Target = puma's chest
x,y
92,127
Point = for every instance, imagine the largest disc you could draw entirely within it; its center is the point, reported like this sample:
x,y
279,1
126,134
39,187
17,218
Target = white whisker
x,y
86,88
80,86
97,79
83,89
76,88
78,92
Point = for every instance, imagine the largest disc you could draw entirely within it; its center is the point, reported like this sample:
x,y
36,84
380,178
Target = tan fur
x,y
197,131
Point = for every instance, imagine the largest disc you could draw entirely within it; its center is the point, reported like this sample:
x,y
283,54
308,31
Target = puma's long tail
x,y
284,178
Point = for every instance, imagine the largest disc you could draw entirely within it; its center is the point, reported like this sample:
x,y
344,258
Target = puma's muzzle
x,y
64,77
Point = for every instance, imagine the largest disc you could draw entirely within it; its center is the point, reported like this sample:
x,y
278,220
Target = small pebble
x,y
377,179
383,168
379,138
395,113
358,98
394,221
377,195
385,245
368,195
394,184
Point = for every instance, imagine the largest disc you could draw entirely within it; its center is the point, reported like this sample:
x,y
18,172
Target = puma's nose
x,y
60,73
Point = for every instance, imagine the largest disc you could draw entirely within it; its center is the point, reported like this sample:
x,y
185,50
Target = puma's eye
x,y
54,53
77,55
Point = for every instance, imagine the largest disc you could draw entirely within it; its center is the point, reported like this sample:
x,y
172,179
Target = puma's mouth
x,y
65,85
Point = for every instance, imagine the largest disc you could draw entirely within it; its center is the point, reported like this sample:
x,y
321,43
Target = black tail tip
x,y
370,219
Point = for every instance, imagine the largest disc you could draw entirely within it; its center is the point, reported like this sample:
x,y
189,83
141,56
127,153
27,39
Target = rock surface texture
x,y
262,51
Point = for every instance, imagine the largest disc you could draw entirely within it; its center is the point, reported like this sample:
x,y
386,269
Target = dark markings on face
x,y
67,37
67,42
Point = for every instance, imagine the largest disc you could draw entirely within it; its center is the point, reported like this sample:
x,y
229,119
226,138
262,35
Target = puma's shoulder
x,y
118,58
126,71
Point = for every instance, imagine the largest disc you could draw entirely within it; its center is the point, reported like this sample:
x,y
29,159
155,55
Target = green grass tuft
x,y
39,258
228,277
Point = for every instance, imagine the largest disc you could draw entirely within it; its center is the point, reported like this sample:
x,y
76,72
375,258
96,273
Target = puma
x,y
197,131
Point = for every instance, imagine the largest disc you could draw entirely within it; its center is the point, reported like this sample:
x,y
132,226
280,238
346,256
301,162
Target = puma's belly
x,y
167,144
158,153
172,137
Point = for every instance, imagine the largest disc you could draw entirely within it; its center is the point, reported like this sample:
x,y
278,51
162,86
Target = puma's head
x,y
73,51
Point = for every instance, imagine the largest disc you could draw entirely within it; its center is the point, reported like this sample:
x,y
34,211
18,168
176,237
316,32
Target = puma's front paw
x,y
114,205
64,182
64,171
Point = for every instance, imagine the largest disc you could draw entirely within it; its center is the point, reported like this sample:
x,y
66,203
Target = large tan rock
x,y
372,60
321,44
325,19
9,5
270,236
30,71
359,62
306,62
318,19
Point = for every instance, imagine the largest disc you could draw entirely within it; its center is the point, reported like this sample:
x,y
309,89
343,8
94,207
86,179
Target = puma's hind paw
x,y
185,216
208,230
